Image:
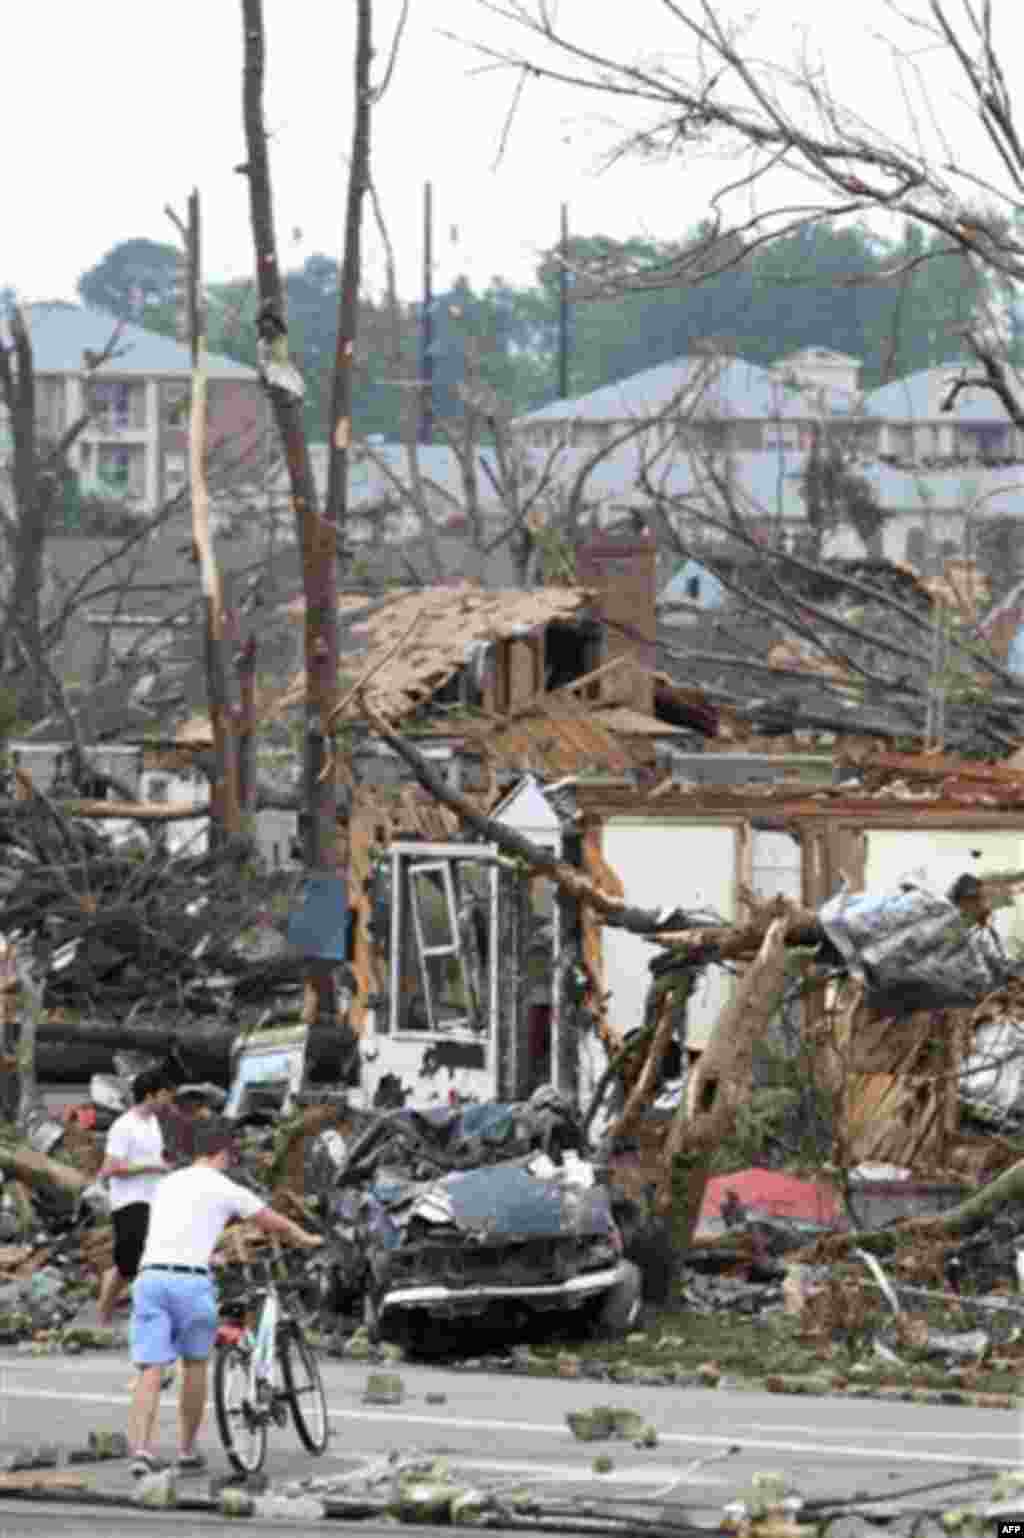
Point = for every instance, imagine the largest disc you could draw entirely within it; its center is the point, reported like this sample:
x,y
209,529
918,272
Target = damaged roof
x,y
934,785
411,643
560,737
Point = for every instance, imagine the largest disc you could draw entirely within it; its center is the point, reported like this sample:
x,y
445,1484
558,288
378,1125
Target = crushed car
x,y
484,1218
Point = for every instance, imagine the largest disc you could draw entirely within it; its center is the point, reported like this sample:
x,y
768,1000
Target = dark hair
x,y
210,1136
150,1082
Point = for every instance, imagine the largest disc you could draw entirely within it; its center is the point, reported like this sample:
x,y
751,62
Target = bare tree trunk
x,y
340,425
224,792
29,533
316,538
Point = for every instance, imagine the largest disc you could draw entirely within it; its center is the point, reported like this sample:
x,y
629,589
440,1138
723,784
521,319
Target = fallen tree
x,y
720,1085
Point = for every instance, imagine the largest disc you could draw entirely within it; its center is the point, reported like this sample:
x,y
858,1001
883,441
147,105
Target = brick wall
x,y
623,570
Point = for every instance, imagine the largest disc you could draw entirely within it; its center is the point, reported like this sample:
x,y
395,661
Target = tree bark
x,y
29,535
721,1084
224,788
642,1092
69,1052
316,536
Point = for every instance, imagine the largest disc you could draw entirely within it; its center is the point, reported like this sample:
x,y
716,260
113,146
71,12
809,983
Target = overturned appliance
x,y
509,1233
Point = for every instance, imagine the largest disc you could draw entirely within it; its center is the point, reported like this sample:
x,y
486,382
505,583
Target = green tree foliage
x,y
134,281
824,285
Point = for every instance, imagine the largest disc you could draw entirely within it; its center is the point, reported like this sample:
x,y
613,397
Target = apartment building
x,y
939,464
133,452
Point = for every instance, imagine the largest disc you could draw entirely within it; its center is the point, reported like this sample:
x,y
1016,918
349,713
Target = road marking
x,y
961,1436
653,1474
746,1444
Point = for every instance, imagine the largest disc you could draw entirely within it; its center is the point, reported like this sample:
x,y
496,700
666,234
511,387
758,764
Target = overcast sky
x,y
110,110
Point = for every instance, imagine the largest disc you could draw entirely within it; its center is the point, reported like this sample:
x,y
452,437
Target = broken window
x,y
443,950
570,651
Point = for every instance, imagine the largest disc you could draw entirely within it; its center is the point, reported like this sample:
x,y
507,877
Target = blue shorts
x,y
172,1315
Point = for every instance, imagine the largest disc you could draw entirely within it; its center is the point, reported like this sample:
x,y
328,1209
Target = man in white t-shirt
x,y
135,1165
174,1308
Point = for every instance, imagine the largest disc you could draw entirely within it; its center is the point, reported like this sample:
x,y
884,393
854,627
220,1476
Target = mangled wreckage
x,y
495,950
487,1215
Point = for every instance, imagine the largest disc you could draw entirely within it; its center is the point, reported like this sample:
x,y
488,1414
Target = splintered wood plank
x,y
44,1479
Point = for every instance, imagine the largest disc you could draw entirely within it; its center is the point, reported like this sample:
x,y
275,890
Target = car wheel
x,y
619,1309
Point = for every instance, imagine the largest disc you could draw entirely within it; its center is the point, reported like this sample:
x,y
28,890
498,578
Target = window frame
x,y
407,859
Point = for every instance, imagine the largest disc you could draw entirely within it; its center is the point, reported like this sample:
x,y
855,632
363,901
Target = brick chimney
x,y
624,573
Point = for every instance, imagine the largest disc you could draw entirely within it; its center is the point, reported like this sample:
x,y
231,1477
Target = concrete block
x,y
157,1492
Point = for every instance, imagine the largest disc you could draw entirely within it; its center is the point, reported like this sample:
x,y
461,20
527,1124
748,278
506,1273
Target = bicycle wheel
x,y
243,1430
304,1389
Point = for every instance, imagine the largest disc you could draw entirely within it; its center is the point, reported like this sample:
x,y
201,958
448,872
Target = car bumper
x,y
572,1292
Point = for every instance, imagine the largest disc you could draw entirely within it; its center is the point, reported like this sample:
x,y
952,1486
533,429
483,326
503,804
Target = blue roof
x,y
917,397
726,387
61,333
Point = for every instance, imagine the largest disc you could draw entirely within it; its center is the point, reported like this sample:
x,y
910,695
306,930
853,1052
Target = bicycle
x,y
263,1368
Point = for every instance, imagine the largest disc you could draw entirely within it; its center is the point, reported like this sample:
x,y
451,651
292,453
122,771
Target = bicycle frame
x,y
274,1373
264,1343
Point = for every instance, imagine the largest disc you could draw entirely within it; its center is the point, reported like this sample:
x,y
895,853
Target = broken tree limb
x,y
643,1090
68,1050
614,910
733,942
1000,1195
37,1169
721,1084
140,811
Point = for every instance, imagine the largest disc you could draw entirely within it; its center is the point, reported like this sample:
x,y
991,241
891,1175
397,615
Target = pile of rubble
x,y
137,945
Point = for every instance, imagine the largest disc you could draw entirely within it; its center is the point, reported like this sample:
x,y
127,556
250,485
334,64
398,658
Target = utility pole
x,y
563,307
427,322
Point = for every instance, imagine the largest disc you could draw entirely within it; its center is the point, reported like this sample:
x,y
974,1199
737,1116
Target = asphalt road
x,y
513,1428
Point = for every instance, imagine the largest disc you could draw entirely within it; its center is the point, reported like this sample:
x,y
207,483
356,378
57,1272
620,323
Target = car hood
x,y
514,1200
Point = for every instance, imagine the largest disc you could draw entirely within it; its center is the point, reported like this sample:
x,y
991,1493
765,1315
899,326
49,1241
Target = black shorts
x,y
131,1225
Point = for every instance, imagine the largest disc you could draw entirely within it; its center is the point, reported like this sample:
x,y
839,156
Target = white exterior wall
x,y
776,866
937,858
667,864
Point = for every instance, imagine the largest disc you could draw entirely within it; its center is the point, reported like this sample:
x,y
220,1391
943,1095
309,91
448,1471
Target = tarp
x,y
914,949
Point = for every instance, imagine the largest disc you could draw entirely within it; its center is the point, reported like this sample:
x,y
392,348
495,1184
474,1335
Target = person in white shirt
x,y
134,1165
174,1307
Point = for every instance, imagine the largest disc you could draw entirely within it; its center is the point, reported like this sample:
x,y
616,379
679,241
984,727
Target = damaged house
x,y
463,965
477,979
473,977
